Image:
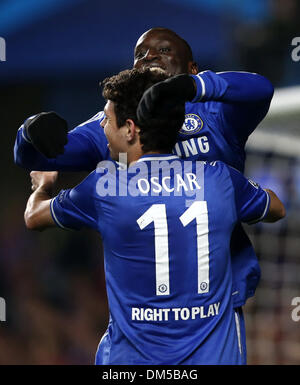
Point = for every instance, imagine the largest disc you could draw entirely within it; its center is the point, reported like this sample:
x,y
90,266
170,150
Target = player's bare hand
x,y
43,179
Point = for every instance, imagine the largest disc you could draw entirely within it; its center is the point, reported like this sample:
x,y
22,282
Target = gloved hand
x,y
161,97
48,133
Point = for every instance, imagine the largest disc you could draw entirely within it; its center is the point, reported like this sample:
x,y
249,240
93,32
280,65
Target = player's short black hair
x,y
126,90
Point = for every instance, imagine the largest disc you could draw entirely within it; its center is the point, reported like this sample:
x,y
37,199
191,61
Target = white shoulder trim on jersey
x,y
23,136
102,338
98,116
55,218
31,117
238,330
202,84
158,158
264,213
240,72
22,128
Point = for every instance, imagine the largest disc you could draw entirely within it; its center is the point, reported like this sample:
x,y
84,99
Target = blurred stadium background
x,y
56,53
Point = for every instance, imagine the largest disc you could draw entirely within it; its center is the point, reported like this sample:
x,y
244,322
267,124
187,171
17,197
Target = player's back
x,y
167,263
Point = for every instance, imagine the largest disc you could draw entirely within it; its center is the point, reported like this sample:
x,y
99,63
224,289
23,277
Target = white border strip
x,y
23,136
203,86
158,158
265,210
98,116
54,216
287,145
238,330
285,101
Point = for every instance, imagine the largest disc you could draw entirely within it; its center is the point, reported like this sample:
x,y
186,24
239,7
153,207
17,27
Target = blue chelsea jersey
x,y
227,108
166,227
201,137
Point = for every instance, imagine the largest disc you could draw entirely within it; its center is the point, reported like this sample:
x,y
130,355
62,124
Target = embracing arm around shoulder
x,y
245,98
78,150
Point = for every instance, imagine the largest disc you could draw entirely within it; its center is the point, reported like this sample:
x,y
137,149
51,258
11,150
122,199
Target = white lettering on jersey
x,y
143,185
175,314
177,150
188,184
192,147
189,147
164,185
193,181
148,314
203,144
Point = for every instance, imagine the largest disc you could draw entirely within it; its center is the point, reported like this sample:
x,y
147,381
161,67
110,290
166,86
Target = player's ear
x,y
131,130
193,68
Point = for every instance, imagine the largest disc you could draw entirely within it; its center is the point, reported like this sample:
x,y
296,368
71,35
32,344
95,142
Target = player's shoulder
x,y
220,167
235,72
107,169
87,185
219,171
92,124
223,178
215,166
94,119
202,112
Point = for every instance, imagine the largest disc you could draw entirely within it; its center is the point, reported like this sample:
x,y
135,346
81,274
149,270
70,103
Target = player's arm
x,y
45,135
70,209
246,100
37,214
276,209
254,204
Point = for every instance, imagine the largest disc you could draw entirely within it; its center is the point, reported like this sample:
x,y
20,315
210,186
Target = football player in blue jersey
x,y
221,111
166,227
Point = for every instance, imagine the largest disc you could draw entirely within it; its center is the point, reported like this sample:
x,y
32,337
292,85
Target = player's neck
x,y
152,152
137,156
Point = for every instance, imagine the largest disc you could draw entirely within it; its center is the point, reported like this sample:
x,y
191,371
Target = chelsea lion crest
x,y
192,124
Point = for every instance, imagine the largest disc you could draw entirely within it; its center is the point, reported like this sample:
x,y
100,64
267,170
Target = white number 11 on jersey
x,y
157,214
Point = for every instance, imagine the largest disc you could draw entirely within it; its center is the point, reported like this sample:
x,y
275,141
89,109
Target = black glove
x,y
161,97
48,133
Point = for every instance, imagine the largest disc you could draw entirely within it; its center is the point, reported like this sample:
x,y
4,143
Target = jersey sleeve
x,y
76,208
87,145
251,201
241,100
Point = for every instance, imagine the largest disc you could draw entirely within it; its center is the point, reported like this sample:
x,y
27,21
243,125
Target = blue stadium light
x,y
16,14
